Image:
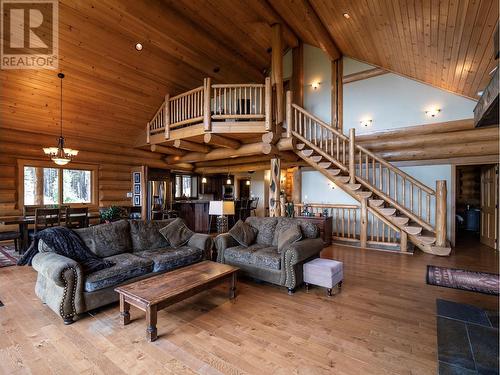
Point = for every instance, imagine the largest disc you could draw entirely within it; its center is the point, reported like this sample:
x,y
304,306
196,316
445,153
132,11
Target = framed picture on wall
x,y
137,189
137,177
137,200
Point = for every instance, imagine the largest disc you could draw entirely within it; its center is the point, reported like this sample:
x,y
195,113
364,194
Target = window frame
x,y
174,187
94,176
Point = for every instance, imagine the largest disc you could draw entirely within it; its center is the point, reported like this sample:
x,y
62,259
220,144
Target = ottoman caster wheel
x,y
340,285
291,291
68,321
307,288
329,292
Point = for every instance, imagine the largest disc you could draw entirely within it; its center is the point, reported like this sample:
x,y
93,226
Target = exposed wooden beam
x,y
363,75
285,156
167,150
337,95
249,167
277,71
220,141
224,153
298,74
190,146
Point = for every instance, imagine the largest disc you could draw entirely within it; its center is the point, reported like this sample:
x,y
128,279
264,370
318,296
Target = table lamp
x,y
221,209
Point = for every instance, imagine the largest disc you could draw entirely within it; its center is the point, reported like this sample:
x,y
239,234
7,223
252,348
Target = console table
x,y
324,223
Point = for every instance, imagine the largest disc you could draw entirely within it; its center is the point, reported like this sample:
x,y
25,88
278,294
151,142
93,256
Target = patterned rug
x,y
481,282
8,256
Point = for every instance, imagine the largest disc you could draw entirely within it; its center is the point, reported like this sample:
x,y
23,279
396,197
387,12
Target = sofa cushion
x,y
309,229
169,258
108,239
177,233
289,236
261,256
243,233
145,234
126,266
265,227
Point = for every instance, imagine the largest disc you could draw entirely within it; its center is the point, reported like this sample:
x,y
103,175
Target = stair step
x,y
342,179
376,202
387,211
426,237
300,146
333,172
325,164
400,220
316,158
353,186
412,229
364,194
307,152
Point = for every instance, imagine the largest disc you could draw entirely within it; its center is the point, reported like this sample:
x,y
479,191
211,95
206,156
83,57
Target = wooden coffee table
x,y
158,292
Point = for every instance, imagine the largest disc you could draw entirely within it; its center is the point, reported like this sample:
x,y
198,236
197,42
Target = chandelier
x,y
60,155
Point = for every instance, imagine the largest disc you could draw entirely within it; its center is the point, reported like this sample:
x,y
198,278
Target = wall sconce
x,y
433,112
331,185
315,85
203,180
247,183
366,123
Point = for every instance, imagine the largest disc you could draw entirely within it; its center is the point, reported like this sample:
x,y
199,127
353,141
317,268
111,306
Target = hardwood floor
x,y
383,322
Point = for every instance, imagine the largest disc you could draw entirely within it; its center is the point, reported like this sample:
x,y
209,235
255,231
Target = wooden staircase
x,y
386,191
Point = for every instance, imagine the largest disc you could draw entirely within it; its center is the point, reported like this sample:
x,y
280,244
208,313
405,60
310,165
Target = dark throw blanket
x,y
65,242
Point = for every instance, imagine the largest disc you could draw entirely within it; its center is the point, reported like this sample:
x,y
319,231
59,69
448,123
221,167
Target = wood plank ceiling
x,y
111,90
445,43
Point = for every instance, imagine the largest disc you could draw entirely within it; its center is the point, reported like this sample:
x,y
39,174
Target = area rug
x,y
481,282
7,256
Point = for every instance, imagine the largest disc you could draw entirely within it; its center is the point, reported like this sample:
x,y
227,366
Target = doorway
x,y
476,205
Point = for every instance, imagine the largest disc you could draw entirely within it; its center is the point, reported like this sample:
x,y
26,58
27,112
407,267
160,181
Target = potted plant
x,y
111,214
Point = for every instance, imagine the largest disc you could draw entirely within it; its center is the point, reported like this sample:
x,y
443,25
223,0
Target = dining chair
x,y
46,217
30,210
77,217
253,205
11,236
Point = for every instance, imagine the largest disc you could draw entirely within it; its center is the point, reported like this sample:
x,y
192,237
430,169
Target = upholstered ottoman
x,y
323,272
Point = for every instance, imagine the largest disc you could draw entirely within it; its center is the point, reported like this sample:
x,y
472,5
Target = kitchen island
x,y
195,214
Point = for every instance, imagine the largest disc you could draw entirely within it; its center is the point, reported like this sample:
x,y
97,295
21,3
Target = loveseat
x,y
262,260
136,248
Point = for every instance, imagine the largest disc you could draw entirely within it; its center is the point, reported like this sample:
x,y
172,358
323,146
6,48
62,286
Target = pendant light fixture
x,y
60,155
228,181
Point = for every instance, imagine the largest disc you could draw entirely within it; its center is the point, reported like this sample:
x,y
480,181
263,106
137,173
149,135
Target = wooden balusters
x,y
268,105
207,116
352,170
288,114
441,213
363,232
166,116
148,133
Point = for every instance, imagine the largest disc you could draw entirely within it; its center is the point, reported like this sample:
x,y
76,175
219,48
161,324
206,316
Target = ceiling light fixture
x,y
346,16
138,46
203,180
60,155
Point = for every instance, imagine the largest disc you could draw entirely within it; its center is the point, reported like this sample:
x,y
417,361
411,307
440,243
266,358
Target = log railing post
x,y
166,116
275,188
148,131
363,234
440,213
403,241
268,93
288,114
207,115
352,166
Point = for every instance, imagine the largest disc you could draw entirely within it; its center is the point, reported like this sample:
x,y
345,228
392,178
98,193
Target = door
x,y
489,206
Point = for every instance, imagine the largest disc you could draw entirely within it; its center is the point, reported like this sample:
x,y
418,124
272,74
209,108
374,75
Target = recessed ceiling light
x,y
346,16
216,69
138,46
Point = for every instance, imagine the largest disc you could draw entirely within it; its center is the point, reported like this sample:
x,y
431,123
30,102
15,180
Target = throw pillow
x,y
243,233
177,233
288,237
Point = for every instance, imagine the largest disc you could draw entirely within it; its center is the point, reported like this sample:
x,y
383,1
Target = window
x,y
186,186
45,186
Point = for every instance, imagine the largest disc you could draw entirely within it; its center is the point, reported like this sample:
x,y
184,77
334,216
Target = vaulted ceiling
x,y
112,90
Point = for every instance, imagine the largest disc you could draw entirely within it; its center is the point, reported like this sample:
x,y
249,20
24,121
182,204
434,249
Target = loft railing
x,y
347,224
208,103
408,195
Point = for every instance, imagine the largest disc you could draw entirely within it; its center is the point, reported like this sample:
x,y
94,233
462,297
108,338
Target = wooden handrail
x,y
320,122
236,85
186,93
327,205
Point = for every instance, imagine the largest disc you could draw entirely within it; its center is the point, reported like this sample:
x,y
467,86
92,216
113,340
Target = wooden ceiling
x,y
445,43
111,90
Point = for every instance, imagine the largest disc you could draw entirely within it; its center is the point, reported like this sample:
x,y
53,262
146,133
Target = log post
x,y
268,104
297,185
207,115
148,130
298,74
289,114
275,188
38,186
277,70
403,241
166,116
352,166
363,233
337,94
441,213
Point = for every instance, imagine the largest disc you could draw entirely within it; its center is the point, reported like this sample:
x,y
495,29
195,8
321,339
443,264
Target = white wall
x,y
316,188
317,68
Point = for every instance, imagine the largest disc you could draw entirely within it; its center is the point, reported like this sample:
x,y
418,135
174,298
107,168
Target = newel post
x,y
403,241
352,166
288,114
207,115
268,93
440,213
363,234
275,188
148,131
166,116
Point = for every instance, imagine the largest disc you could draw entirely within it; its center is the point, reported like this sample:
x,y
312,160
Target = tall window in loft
x,y
186,186
45,186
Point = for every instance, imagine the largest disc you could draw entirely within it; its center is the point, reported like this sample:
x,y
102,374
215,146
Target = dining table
x,y
25,221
